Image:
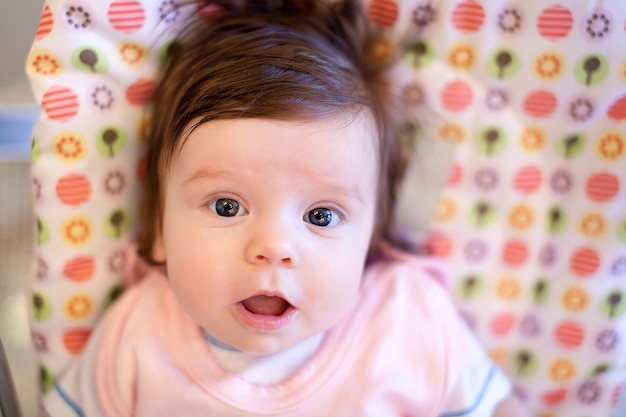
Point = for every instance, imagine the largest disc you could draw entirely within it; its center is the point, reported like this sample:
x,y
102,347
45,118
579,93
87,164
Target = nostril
x,y
277,254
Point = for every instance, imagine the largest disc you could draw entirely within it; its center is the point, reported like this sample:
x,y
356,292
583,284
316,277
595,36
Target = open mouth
x,y
265,312
266,305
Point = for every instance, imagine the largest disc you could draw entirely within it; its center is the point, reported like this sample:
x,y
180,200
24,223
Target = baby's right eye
x,y
226,207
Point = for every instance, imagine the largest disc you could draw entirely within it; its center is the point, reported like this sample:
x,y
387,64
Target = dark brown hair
x,y
285,60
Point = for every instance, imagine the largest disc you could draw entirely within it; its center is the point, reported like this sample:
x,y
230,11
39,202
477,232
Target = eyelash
x,y
337,215
212,206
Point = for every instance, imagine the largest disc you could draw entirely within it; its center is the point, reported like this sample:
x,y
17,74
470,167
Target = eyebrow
x,y
205,173
350,192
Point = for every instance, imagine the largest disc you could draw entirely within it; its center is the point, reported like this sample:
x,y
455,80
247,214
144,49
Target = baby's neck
x,y
263,369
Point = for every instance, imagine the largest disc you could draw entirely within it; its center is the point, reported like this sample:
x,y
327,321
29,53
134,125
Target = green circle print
x,y
591,69
43,232
470,287
621,230
491,141
42,306
110,141
88,58
541,291
613,304
47,380
117,223
35,150
482,214
113,294
503,63
556,220
168,48
525,362
571,146
418,54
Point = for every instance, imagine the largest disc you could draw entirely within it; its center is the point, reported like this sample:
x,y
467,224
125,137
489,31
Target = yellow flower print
x,y
562,370
452,132
533,139
446,210
593,225
575,299
462,56
78,306
521,217
611,146
76,230
508,288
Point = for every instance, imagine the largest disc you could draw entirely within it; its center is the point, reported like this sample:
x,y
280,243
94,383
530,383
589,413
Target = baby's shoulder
x,y
143,308
404,274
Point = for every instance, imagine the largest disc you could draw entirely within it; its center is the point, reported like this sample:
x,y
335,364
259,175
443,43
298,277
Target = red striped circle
x,y
502,323
602,186
540,103
60,103
555,22
456,96
514,253
140,92
468,16
73,189
527,179
456,173
383,12
615,395
126,16
438,244
554,397
617,111
45,24
584,262
79,269
569,334
75,340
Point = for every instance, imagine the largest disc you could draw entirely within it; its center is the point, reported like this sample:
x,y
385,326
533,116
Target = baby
x,y
270,184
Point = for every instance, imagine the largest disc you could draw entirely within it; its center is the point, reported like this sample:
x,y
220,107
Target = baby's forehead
x,y
359,117
299,153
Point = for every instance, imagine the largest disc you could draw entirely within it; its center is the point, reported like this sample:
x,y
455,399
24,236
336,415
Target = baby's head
x,y
307,61
270,172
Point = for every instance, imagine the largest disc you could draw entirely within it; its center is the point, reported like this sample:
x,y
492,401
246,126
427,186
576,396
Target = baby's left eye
x,y
322,217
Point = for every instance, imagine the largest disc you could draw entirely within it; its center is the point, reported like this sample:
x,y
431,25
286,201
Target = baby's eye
x,y
226,207
322,216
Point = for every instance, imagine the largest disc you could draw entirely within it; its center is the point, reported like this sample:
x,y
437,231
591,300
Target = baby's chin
x,y
267,345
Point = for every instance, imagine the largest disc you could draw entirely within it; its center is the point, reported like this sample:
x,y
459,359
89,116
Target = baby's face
x,y
267,225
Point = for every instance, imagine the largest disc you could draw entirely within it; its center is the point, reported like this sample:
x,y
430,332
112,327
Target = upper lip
x,y
268,294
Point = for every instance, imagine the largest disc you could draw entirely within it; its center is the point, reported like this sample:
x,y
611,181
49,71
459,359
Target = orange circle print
x,y
575,299
76,230
611,146
78,306
562,370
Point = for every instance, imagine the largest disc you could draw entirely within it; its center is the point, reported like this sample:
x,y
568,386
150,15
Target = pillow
x,y
92,68
525,100
532,218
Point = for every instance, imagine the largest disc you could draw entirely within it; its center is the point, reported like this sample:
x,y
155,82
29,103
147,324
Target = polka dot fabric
x,y
532,221
92,67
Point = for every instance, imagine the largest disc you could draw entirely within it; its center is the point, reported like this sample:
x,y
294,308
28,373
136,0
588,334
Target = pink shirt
x,y
399,353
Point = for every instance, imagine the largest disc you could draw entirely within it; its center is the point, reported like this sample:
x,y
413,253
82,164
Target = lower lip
x,y
264,322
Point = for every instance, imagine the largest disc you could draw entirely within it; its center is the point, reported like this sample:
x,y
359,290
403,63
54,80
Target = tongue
x,y
268,306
